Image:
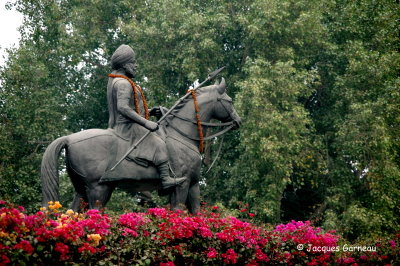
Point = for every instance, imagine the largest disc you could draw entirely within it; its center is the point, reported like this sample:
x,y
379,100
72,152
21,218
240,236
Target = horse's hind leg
x,y
80,190
99,194
79,202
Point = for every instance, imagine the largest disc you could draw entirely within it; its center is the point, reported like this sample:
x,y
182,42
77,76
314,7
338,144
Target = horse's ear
x,y
222,86
216,82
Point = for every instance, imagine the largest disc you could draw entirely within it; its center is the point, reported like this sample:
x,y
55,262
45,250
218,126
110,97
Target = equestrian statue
x,y
135,153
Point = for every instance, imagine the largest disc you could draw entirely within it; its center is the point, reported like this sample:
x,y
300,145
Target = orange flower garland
x,y
134,87
199,127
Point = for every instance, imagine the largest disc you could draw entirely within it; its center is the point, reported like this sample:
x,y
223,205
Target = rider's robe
x,y
129,125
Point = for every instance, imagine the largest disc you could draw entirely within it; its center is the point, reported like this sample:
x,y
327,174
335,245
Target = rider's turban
x,y
121,56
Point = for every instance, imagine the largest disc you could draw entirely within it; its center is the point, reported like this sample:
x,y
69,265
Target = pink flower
x,y
212,253
133,220
158,212
205,232
130,232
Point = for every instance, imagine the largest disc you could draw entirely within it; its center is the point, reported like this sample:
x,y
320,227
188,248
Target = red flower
x,y
25,246
230,257
63,250
251,214
4,259
86,248
348,260
252,263
169,263
261,256
312,263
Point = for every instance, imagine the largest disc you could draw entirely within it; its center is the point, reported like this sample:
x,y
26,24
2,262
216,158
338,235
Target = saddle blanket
x,y
132,168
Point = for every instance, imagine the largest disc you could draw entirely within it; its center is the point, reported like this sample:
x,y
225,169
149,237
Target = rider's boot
x,y
166,180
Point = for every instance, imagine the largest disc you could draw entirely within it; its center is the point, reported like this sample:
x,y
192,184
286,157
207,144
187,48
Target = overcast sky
x,y
9,22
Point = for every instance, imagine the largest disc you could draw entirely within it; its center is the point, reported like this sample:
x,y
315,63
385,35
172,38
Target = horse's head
x,y
220,105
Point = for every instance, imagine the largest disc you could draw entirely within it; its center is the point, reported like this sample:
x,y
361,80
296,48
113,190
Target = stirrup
x,y
172,182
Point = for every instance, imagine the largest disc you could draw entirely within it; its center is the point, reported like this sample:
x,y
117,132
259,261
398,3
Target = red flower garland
x,y
199,127
134,87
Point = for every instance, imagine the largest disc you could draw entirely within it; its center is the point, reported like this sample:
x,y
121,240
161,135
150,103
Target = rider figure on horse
x,y
128,114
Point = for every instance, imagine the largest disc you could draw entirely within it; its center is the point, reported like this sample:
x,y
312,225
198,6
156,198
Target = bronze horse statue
x,y
90,154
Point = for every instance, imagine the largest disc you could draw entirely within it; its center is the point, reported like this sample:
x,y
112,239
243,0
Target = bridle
x,y
228,125
221,99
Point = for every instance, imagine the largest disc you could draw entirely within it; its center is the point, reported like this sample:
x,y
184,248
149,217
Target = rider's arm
x,y
124,96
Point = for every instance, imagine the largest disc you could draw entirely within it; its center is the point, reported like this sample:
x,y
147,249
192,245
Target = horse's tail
x,y
49,170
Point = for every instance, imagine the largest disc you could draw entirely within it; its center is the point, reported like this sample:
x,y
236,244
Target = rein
x,y
205,138
216,156
205,124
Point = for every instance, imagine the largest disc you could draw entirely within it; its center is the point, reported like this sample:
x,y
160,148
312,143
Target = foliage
x,y
318,99
163,237
275,89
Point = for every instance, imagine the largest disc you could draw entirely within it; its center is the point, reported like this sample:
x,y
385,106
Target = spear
x,y
210,77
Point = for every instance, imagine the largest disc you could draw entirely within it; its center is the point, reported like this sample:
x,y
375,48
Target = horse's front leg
x,y
179,196
193,200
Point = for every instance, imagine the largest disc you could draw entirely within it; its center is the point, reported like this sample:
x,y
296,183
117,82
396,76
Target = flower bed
x,y
164,237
